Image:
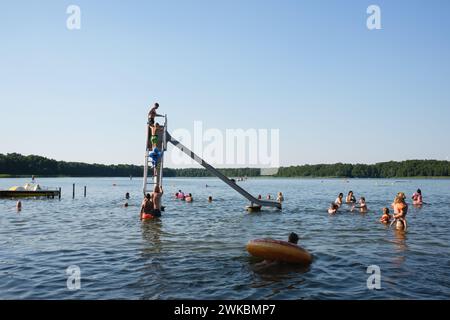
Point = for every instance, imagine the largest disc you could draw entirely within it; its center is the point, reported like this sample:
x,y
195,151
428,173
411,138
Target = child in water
x,y
350,198
386,217
293,238
417,198
333,208
339,199
362,206
179,195
189,198
280,197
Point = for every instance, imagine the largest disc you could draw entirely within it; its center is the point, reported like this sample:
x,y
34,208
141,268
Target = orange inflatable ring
x,y
274,250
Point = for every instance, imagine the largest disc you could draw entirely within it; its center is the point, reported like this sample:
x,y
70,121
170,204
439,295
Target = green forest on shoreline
x,y
17,165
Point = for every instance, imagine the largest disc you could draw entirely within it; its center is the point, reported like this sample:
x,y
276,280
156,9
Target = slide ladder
x,y
218,174
149,172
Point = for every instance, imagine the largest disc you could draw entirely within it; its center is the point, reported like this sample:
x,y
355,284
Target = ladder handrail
x,y
144,180
221,176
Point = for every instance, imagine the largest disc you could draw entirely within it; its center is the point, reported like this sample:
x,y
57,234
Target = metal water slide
x,y
221,176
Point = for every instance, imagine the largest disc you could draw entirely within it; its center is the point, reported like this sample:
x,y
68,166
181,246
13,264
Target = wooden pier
x,y
30,194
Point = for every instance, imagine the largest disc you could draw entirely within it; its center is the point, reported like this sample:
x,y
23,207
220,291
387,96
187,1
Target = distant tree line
x,y
15,164
409,168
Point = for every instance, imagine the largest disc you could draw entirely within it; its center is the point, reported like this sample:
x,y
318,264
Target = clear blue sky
x,y
337,91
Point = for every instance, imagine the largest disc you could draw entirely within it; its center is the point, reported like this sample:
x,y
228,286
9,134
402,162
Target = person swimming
x,y
386,217
127,195
293,238
210,199
400,211
179,195
333,208
417,198
339,199
19,206
350,197
189,198
362,206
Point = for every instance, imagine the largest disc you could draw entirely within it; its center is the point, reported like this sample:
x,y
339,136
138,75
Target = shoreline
x,y
6,176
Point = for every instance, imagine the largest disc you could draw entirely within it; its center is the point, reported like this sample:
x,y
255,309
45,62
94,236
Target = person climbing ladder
x,y
155,155
155,137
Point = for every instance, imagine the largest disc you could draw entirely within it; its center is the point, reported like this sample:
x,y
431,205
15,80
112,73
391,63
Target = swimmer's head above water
x,y
293,238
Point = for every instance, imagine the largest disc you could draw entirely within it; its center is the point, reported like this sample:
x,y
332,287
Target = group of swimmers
x,y
280,197
399,206
180,195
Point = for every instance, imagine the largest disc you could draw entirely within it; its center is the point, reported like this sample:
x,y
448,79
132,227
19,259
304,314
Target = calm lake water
x,y
197,251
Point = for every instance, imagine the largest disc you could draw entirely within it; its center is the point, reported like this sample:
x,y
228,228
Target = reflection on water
x,y
151,233
276,271
280,278
400,247
400,236
198,251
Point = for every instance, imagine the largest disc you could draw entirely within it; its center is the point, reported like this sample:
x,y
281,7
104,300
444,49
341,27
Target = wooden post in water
x,y
73,191
85,191
59,195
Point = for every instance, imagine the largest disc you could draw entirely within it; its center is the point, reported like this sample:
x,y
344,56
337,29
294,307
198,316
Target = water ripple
x,y
197,251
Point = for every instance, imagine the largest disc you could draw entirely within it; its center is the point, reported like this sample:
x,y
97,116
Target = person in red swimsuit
x,y
147,207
